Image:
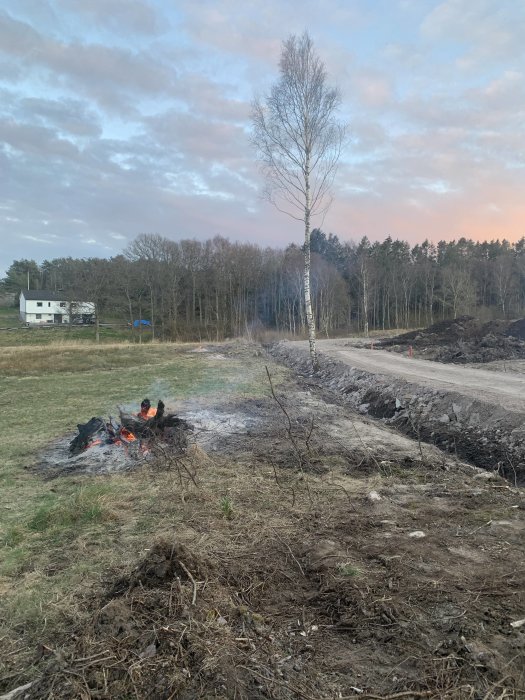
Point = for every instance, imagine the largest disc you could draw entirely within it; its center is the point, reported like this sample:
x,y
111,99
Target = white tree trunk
x,y
307,298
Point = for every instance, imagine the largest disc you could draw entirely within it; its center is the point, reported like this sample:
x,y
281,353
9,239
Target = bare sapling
x,y
298,142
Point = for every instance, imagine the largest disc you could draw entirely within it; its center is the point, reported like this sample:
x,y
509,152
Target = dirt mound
x,y
446,331
166,561
517,329
464,339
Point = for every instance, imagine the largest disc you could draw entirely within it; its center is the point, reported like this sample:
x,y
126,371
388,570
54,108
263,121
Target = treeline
x,y
216,289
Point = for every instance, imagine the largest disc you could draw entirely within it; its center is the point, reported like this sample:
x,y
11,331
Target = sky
x,y
123,117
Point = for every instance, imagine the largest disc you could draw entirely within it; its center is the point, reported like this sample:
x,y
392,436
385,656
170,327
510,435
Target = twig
x,y
291,553
16,692
365,446
494,686
393,696
279,485
509,460
194,597
289,431
489,522
350,503
289,686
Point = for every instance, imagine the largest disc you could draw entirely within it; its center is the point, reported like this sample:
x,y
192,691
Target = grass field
x,y
57,537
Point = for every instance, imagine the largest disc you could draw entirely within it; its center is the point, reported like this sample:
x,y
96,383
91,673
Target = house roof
x,y
43,295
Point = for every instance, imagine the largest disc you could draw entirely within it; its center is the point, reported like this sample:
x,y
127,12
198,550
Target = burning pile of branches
x,y
137,430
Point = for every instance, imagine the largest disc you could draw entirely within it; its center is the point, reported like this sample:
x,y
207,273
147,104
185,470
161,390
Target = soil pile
x,y
464,340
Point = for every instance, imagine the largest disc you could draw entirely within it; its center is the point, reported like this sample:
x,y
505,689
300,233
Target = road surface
x,y
505,389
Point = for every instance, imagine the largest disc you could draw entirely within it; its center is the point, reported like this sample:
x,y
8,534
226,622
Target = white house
x,y
43,306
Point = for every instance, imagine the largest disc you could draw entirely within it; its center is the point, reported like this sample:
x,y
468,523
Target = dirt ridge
x,y
488,436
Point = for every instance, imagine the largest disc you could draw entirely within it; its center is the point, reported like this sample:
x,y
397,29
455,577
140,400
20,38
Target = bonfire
x,y
132,429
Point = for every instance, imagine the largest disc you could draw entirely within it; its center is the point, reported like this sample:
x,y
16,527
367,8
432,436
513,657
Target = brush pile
x,y
131,429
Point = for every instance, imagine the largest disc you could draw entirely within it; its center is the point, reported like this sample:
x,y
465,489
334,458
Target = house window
x,y
63,304
39,316
49,303
39,303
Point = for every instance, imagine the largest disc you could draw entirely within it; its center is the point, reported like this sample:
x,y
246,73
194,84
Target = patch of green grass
x,y
14,560
21,335
59,538
226,506
12,536
49,398
9,316
83,506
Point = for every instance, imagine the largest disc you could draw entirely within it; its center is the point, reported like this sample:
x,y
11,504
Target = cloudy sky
x,y
120,117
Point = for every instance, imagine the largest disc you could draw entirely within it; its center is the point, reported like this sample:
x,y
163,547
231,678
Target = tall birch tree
x,y
299,141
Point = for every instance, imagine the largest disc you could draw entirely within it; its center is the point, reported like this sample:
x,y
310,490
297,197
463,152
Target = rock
x,y
374,496
518,623
149,652
486,476
444,418
417,534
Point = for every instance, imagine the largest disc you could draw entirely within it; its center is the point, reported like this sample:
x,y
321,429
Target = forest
x,y
216,289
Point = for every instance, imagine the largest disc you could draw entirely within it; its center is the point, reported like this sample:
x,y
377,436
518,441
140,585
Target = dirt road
x,y
504,389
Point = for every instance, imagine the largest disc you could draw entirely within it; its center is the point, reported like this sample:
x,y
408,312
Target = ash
x,y
213,427
98,459
213,430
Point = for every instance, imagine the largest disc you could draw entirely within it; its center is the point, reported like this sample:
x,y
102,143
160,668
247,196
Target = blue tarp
x,y
141,322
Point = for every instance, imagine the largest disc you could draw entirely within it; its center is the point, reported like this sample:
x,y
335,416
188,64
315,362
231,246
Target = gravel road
x,y
504,389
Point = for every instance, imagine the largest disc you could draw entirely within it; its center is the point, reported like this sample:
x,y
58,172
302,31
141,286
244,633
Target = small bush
x,y
12,536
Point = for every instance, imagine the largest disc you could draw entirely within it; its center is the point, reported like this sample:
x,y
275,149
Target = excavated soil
x,y
464,340
487,434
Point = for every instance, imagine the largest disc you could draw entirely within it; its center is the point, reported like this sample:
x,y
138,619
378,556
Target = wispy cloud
x,y
119,117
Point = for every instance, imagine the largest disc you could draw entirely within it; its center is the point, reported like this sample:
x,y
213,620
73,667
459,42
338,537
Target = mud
x,y
487,435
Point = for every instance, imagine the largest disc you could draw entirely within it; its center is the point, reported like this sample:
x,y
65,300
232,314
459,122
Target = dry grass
x,y
289,598
58,536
